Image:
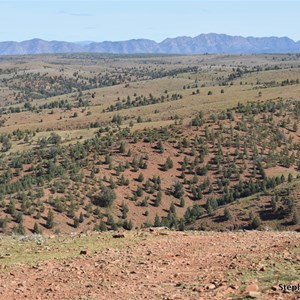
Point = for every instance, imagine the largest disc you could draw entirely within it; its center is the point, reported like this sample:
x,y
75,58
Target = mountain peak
x,y
202,43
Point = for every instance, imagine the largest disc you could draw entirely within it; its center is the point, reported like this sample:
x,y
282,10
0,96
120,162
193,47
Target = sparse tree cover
x,y
106,197
125,210
19,229
182,202
142,101
168,164
181,226
178,190
256,222
102,226
137,151
50,219
227,214
158,199
128,225
160,147
295,218
37,229
141,177
76,222
122,147
157,221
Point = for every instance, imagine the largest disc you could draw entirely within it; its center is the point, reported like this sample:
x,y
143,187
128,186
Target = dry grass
x,y
213,67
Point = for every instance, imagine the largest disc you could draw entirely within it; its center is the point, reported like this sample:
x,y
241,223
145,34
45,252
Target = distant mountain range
x,y
203,43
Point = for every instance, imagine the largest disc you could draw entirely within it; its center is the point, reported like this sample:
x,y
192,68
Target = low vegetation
x,y
103,147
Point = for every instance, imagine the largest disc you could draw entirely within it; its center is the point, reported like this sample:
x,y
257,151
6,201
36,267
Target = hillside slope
x,y
172,176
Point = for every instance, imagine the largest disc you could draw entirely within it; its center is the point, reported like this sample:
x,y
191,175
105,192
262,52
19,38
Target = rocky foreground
x,y
155,264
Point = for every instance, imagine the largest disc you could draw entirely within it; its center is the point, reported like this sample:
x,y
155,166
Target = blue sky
x,y
121,20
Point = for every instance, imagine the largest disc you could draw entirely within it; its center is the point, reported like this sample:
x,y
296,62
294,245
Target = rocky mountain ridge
x,y
203,43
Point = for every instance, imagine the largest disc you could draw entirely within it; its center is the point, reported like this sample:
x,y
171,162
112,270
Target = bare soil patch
x,y
163,264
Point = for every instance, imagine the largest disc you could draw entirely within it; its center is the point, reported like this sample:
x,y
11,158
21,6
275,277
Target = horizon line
x,y
141,38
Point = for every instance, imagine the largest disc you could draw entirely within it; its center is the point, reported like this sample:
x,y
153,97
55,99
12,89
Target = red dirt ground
x,y
167,265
